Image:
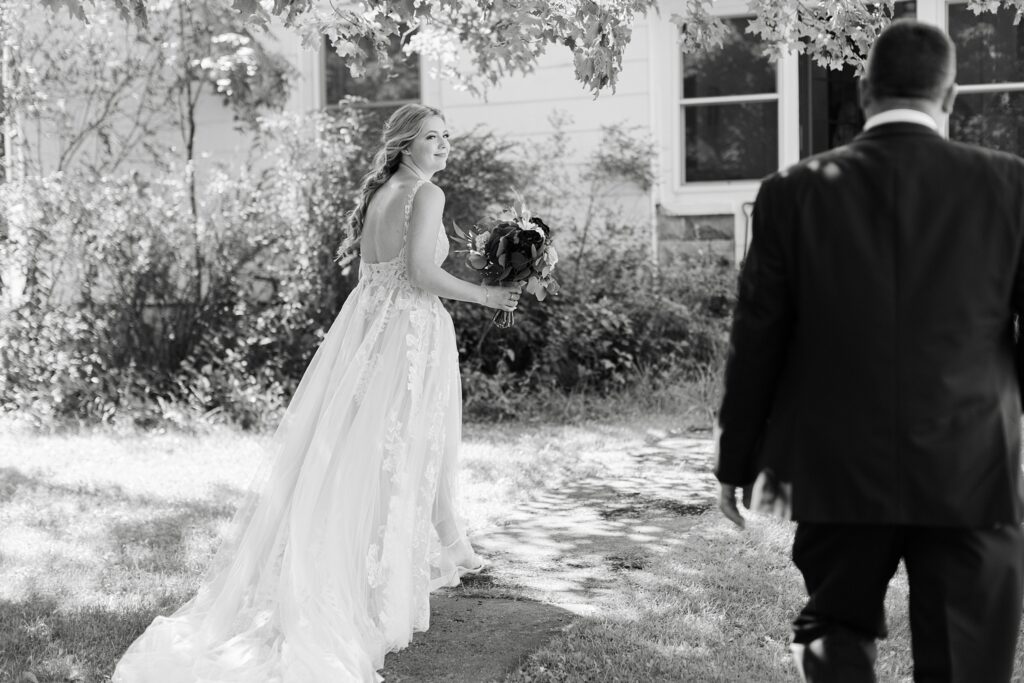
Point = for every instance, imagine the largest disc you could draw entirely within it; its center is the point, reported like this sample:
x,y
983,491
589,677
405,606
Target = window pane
x,y
401,82
993,120
375,117
830,113
730,141
989,48
738,68
904,9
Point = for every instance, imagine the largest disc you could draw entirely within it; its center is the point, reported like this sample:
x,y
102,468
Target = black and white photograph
x,y
511,341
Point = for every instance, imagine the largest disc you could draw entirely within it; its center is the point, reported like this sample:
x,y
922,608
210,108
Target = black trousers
x,y
965,597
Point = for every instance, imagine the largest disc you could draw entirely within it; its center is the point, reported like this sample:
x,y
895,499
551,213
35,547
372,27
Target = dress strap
x,y
408,207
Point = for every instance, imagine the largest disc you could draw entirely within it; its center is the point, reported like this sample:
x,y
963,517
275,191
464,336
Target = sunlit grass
x,y
507,463
717,608
101,531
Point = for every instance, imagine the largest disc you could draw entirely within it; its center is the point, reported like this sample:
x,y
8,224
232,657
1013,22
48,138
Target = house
x,y
721,120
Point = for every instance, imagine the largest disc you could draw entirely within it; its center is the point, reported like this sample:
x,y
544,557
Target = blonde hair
x,y
400,130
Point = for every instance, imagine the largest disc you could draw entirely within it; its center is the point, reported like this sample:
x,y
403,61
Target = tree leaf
x,y
74,8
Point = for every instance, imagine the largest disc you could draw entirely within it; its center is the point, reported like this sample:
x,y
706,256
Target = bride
x,y
330,561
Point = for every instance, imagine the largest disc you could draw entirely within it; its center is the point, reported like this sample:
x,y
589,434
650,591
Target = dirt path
x,y
559,557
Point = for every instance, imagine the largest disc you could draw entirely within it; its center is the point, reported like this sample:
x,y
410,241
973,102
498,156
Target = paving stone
x,y
564,554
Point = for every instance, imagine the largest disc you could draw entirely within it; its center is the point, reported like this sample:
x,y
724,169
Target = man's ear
x,y
949,98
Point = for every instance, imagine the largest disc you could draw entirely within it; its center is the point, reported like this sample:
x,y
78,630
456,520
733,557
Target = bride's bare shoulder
x,y
429,199
432,190
398,193
430,193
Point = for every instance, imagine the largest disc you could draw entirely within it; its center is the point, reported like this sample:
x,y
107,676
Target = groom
x,y
872,364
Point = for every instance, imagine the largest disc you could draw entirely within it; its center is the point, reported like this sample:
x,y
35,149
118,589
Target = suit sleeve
x,y
762,328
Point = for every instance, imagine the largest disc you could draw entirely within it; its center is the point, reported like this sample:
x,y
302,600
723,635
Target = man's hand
x,y
727,504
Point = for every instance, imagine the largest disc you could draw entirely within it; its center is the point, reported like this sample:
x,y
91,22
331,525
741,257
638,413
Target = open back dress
x,y
331,558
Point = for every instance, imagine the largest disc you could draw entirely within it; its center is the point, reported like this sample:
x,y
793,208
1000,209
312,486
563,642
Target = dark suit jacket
x,y
872,355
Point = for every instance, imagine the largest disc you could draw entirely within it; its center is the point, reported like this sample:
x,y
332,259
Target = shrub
x,y
96,258
121,283
672,330
620,321
132,309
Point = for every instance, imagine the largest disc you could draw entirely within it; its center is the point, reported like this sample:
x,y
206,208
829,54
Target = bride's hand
x,y
502,297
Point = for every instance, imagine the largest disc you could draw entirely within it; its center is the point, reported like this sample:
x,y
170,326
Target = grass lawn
x,y
716,608
100,532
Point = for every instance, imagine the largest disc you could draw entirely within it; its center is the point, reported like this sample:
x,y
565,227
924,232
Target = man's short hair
x,y
911,59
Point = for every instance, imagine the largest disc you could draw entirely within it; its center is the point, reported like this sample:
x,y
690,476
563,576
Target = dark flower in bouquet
x,y
516,249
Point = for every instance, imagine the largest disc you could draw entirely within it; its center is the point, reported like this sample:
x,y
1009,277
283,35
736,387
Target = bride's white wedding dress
x,y
330,560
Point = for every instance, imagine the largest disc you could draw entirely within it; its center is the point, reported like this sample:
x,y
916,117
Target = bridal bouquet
x,y
516,248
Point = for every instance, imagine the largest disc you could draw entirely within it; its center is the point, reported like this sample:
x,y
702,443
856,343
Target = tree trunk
x,y
189,132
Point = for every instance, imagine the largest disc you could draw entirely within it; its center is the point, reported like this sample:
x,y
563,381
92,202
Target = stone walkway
x,y
560,557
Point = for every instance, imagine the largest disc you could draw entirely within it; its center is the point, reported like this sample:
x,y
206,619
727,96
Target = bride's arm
x,y
427,207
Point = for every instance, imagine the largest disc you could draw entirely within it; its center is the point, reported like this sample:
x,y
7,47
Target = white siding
x,y
219,138
519,108
222,141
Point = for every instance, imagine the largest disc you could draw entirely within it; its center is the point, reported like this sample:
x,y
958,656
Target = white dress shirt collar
x,y
901,116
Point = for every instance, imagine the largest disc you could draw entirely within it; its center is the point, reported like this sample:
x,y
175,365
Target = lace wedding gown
x,y
330,561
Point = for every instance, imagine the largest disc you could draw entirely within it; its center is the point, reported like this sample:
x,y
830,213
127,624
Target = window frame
x,y
683,102
719,197
968,88
321,80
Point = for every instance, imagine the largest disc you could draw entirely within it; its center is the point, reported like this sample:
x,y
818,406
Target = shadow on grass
x,y
14,483
72,550
470,639
715,607
163,543
663,604
573,543
662,589
80,549
52,643
11,479
141,533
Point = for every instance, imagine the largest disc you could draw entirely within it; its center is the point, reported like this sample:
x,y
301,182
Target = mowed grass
x,y
716,608
100,532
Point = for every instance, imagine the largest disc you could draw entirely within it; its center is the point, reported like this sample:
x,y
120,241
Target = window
x,y
384,91
729,110
830,113
989,109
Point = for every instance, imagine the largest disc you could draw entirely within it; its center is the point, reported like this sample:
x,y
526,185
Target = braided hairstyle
x,y
400,130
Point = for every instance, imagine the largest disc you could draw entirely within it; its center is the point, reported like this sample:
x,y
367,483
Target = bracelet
x,y
487,296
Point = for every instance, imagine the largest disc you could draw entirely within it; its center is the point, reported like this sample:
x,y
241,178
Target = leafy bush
x,y
121,282
97,259
51,366
134,310
673,330
620,320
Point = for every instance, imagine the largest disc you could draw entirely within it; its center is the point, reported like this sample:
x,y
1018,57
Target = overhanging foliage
x,y
478,42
